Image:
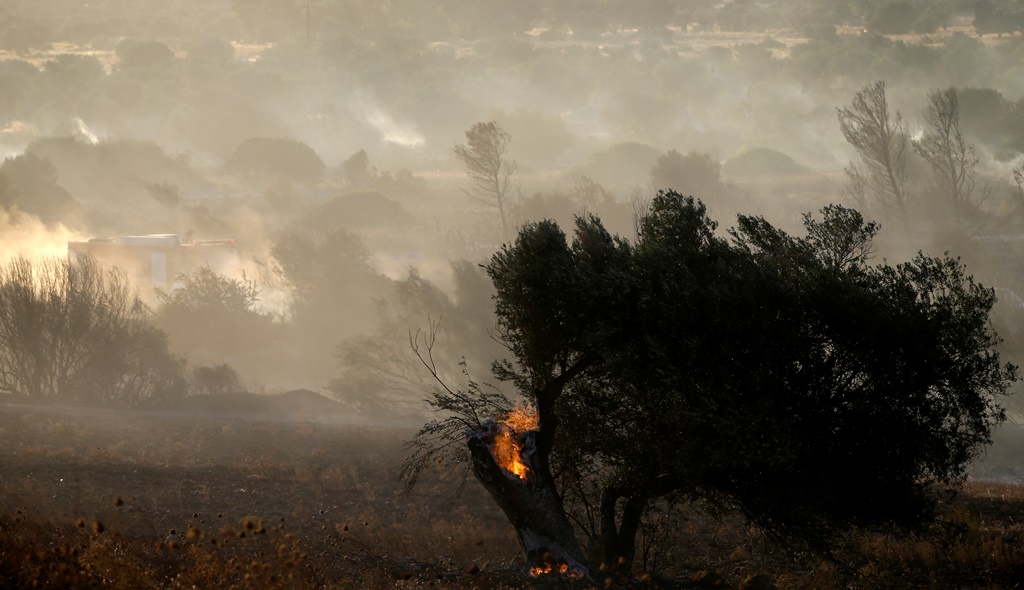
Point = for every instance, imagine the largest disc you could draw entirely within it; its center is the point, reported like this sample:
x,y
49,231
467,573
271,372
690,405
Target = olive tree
x,y
785,378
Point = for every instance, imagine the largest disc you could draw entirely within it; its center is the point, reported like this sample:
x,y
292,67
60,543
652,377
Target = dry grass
x,y
142,500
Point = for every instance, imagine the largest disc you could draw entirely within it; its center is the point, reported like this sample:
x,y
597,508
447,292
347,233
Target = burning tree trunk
x,y
509,456
509,460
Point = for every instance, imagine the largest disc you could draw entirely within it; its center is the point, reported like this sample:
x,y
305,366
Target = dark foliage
x,y
215,380
132,53
783,378
270,158
32,187
693,173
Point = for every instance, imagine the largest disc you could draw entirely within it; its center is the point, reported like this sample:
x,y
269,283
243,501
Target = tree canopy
x,y
277,157
786,378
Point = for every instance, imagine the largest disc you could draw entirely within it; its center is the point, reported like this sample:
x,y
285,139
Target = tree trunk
x,y
618,541
531,503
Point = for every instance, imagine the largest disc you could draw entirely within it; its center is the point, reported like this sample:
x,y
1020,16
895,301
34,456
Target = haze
x,y
132,118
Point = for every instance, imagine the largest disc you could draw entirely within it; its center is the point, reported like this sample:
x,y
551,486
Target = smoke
x,y
25,235
389,130
85,131
16,135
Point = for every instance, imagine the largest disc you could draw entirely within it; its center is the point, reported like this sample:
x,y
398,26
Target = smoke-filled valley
x,y
248,248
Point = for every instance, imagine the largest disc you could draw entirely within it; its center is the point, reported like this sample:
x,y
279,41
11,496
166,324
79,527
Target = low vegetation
x,y
143,500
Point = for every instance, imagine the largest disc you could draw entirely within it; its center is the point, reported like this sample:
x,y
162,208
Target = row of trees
x,y
219,103
883,179
276,21
282,20
898,175
77,331
210,107
493,182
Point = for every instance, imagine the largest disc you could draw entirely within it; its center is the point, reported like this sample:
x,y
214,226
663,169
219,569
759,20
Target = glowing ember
x,y
508,448
561,569
548,568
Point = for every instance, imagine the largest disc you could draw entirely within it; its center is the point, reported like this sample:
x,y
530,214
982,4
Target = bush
x,y
332,286
32,186
694,173
363,208
271,158
76,332
215,380
143,54
892,17
214,313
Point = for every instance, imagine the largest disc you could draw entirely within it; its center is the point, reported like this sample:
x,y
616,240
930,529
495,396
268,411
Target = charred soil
x,y
119,499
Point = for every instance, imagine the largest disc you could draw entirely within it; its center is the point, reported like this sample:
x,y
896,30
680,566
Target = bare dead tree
x,y
951,157
881,140
485,158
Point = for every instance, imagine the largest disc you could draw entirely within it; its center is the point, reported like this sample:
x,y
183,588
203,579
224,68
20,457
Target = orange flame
x,y
562,568
508,449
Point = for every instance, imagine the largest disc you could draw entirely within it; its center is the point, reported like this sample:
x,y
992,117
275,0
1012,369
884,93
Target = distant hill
x,y
763,162
298,403
989,18
359,209
628,163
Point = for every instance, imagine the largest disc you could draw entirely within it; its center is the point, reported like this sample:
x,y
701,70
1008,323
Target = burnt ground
x,y
158,499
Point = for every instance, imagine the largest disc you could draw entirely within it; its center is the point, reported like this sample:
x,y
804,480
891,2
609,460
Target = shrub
x,y
215,380
694,173
276,158
78,332
214,313
133,53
